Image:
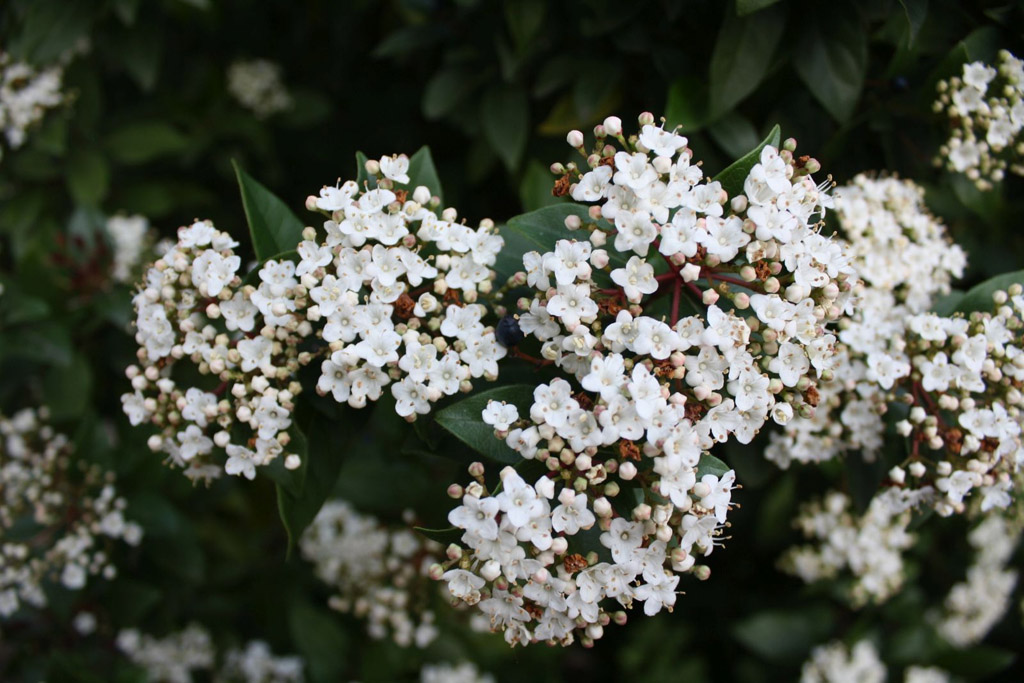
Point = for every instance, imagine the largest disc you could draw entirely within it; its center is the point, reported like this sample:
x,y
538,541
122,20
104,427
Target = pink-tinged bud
x,y
620,618
491,570
599,132
642,512
559,545
598,238
476,470
573,222
453,551
627,471
575,139
595,213
311,203
557,168
501,584
435,572
372,166
646,119
690,272
455,492
702,572
602,508
599,259
739,203
292,462
771,285
541,575
741,301
613,126
709,297
595,631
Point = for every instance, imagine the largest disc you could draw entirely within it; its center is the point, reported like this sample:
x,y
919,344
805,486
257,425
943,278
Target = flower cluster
x,y
905,260
954,380
257,85
465,672
192,307
379,572
659,386
834,662
130,237
394,285
175,657
869,545
58,517
974,606
985,107
25,95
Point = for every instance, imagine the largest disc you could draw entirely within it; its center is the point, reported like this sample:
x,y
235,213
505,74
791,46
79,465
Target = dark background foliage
x,y
492,88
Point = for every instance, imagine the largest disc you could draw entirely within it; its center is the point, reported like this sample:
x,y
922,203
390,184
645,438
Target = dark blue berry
x,y
508,332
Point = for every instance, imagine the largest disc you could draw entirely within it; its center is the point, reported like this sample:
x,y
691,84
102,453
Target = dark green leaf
x,y
535,188
447,89
785,635
745,7
687,104
946,304
980,661
709,464
915,11
273,227
423,172
51,28
505,116
734,133
538,231
68,390
463,420
833,61
364,179
45,342
88,176
733,177
142,142
979,297
139,51
443,536
326,441
320,639
741,57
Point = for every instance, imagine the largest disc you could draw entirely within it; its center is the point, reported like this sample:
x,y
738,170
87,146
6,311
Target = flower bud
x,y
575,139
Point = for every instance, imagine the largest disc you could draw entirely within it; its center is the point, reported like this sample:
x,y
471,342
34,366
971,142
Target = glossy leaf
x,y
505,116
742,55
273,227
142,142
833,62
709,464
733,177
979,297
462,419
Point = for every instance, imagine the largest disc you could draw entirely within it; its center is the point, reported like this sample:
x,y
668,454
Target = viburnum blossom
x,y
379,573
258,86
25,96
960,375
393,285
57,521
985,106
192,308
653,386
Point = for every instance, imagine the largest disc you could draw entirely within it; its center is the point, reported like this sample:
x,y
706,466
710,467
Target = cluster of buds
x,y
257,85
25,96
130,237
379,572
58,517
622,507
394,285
192,308
985,107
869,546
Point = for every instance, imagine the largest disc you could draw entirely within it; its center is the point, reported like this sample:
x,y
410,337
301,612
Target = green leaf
x,y
979,297
742,55
364,179
447,89
916,11
68,390
320,639
326,441
88,176
142,142
687,104
785,635
709,464
443,536
138,50
734,133
833,61
50,28
980,661
45,342
423,172
463,420
745,7
946,304
538,231
535,188
272,225
733,177
505,117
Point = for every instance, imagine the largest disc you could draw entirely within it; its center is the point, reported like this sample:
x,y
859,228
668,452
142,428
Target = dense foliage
x,y
314,515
